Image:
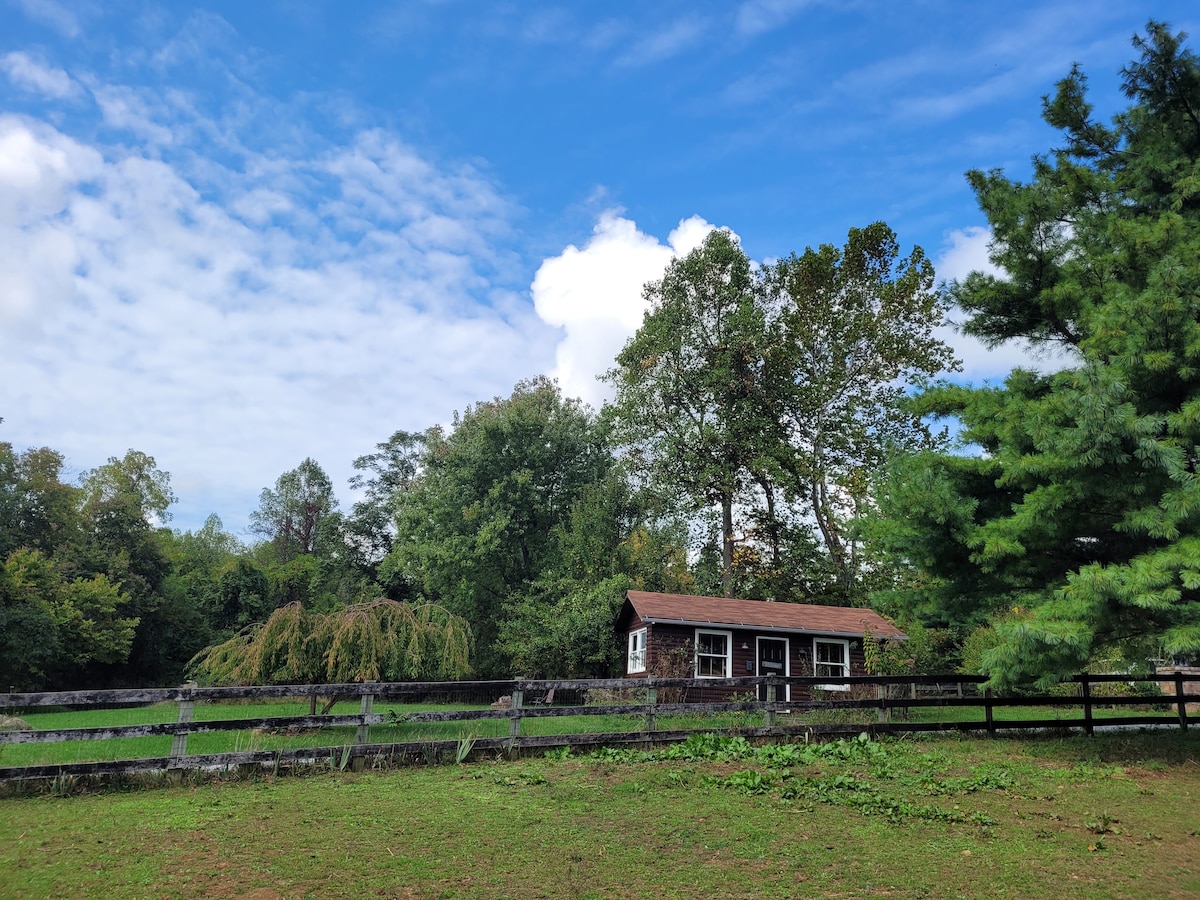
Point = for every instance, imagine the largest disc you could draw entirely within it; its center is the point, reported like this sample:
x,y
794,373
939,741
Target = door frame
x,y
787,662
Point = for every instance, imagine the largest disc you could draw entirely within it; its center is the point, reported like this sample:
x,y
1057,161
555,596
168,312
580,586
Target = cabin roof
x,y
681,609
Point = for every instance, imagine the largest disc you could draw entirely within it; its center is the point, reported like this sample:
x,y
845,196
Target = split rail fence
x,y
514,717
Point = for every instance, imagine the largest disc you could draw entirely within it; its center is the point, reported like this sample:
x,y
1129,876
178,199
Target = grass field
x,y
1102,817
401,731
246,740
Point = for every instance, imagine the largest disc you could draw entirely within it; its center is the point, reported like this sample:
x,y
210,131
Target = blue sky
x,y
233,235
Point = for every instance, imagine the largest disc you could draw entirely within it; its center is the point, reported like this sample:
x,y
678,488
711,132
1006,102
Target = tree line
x,y
784,431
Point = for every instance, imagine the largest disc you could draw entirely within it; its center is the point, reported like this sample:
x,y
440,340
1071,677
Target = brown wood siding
x,y
662,639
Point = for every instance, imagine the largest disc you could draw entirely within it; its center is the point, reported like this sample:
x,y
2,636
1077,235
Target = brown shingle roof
x,y
834,620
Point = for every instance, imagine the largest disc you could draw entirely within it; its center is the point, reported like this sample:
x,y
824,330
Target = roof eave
x,y
777,628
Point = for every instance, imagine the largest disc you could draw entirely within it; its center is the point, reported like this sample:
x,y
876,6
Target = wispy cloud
x,y
664,42
232,325
753,17
62,18
30,75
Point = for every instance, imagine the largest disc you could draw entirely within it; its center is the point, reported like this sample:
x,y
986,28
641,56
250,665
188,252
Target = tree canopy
x,y
1075,531
686,409
770,396
478,526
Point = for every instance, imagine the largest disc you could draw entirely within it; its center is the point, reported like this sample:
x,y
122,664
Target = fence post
x,y
514,722
772,693
365,708
1181,702
987,712
881,693
651,702
1086,690
179,739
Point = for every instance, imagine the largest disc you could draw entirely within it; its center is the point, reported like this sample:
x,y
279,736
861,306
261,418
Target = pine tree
x,y
1078,527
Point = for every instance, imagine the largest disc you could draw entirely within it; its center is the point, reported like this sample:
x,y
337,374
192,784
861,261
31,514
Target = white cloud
x,y
126,109
595,295
966,252
665,42
30,75
756,16
294,307
52,13
38,169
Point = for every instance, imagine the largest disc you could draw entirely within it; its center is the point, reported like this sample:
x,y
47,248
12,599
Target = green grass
x,y
401,731
1105,817
249,740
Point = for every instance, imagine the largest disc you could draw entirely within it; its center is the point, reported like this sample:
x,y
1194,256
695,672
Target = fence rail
x,y
651,710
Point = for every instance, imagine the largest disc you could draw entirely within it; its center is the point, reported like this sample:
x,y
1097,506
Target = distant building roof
x,y
681,609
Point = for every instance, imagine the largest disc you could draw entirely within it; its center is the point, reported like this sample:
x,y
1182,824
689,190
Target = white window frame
x,y
845,645
727,658
636,660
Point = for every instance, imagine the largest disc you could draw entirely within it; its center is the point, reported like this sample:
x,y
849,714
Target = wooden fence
x,y
877,705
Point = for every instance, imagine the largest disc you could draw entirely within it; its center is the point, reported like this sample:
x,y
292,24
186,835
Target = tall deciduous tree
x,y
134,480
853,328
1081,519
38,510
385,476
688,407
772,396
299,514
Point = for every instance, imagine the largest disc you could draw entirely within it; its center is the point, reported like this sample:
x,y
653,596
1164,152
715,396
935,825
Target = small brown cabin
x,y
716,637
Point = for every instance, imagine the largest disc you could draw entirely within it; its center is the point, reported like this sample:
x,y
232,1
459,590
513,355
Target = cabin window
x,y
713,653
637,651
831,659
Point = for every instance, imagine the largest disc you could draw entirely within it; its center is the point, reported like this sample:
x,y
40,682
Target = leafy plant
x,y
1103,824
463,749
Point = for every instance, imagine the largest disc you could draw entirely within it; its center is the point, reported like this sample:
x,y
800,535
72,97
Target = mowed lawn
x,y
1108,816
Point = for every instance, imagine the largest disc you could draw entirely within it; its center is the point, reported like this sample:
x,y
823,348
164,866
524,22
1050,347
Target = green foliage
x,y
484,520
884,657
980,641
380,640
852,329
37,510
687,408
299,517
54,625
134,479
85,596
390,472
567,636
1082,508
762,402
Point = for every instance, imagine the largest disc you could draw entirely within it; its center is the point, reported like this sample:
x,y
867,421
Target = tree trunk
x,y
727,545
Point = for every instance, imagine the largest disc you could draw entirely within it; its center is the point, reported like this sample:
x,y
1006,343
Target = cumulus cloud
x,y
30,75
594,294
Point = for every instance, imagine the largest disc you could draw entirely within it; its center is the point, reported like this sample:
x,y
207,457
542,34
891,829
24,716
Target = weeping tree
x,y
380,640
